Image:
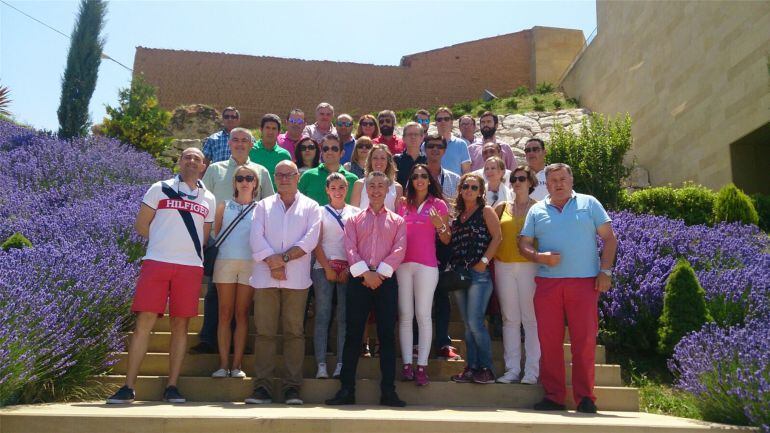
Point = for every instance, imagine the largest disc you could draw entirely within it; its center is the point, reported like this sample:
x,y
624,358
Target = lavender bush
x,y
64,301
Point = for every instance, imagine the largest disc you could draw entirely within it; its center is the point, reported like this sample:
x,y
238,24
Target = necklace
x,y
517,206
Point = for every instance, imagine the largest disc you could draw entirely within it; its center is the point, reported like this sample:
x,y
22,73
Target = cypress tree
x,y
684,307
83,61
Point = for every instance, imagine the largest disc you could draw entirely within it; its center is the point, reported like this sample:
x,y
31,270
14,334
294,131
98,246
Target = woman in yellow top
x,y
515,283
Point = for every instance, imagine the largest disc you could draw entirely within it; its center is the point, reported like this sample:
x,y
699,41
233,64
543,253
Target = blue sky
x,y
32,57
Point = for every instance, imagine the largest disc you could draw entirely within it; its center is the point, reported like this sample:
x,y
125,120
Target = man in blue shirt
x,y
345,133
456,159
215,147
569,279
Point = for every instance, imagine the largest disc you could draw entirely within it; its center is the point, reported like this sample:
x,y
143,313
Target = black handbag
x,y
454,279
211,251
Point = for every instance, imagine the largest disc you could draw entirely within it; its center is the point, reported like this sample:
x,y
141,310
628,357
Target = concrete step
x,y
159,342
156,364
157,417
316,391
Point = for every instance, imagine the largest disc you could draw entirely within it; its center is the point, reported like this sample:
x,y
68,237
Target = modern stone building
x,y
695,78
443,76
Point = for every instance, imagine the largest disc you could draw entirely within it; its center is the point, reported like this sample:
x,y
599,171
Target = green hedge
x,y
692,203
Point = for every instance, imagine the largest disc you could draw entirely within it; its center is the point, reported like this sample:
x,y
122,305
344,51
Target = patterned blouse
x,y
469,240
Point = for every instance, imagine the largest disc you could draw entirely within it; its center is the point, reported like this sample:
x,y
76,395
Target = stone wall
x,y
257,85
693,76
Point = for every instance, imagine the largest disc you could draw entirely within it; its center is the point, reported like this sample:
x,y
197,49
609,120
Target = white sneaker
x,y
529,380
322,373
221,373
510,376
236,372
337,370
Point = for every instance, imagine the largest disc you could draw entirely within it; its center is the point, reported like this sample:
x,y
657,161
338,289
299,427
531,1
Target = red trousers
x,y
576,299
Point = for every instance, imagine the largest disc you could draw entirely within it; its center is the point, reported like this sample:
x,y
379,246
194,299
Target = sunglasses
x,y
285,175
435,145
472,187
332,148
521,179
303,148
229,117
296,121
423,121
444,119
367,123
420,176
345,124
365,146
531,149
247,178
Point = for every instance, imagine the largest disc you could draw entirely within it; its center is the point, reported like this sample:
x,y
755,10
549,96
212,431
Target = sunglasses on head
x,y
515,179
296,121
416,176
367,123
472,187
531,149
247,178
303,147
444,119
230,117
345,124
434,145
332,148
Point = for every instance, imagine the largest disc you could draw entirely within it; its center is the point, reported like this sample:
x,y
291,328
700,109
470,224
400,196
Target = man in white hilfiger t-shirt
x,y
175,216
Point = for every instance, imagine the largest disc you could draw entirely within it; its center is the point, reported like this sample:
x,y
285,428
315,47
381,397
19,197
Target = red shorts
x,y
161,281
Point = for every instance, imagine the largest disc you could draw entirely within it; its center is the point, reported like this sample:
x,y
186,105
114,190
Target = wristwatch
x,y
484,260
607,272
286,257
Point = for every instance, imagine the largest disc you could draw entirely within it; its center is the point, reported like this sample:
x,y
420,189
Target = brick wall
x,y
257,85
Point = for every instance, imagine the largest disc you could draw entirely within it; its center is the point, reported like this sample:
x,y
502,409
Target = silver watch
x,y
607,272
484,260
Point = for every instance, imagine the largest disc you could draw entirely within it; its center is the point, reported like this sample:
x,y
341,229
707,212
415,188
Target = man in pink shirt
x,y
488,126
284,231
294,126
375,241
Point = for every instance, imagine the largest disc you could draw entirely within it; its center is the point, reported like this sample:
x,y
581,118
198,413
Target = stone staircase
x,y
215,405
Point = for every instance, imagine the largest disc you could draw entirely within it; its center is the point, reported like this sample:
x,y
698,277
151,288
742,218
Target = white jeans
x,y
416,284
515,285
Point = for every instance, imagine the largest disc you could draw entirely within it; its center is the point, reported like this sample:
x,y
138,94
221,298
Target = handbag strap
x,y
229,229
336,217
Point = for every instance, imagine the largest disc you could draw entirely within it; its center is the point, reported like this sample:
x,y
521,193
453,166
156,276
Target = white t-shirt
x,y
332,235
540,190
170,242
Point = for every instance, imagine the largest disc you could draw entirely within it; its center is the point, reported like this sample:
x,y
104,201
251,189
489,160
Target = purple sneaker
x,y
407,373
421,376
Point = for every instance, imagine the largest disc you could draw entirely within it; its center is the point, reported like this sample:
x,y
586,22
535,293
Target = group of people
x,y
374,221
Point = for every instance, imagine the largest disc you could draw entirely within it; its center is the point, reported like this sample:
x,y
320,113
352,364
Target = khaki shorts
x,y
232,271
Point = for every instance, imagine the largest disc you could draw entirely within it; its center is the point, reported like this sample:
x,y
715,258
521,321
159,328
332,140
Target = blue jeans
x,y
324,293
472,304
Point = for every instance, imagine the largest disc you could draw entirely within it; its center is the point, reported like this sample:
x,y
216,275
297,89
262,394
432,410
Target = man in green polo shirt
x,y
266,150
313,182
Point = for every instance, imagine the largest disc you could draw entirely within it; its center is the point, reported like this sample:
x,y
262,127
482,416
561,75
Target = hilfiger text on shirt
x,y
184,205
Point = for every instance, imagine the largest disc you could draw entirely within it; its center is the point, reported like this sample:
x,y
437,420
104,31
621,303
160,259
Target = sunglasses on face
x,y
435,145
367,123
303,148
332,148
285,175
521,179
229,117
296,121
531,149
416,176
443,119
345,124
365,147
466,186
247,178
423,121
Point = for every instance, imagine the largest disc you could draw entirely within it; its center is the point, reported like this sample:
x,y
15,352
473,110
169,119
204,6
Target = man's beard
x,y
386,130
488,132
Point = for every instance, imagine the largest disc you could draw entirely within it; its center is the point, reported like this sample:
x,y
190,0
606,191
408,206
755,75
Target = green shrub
x,y
544,87
487,105
481,111
732,205
695,203
692,203
536,100
461,109
762,205
557,104
138,119
684,307
511,103
521,91
596,155
16,240
575,102
539,107
404,116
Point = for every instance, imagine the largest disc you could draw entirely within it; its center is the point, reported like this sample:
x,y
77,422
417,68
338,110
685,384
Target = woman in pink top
x,y
425,214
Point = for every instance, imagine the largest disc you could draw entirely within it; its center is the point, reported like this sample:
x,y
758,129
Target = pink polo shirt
x,y
420,233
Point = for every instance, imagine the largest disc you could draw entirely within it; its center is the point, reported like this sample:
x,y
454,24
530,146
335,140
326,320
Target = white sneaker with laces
x,y
238,373
529,380
322,373
337,370
221,373
510,376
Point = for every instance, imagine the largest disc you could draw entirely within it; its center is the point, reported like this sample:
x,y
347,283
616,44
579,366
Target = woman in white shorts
x,y
232,270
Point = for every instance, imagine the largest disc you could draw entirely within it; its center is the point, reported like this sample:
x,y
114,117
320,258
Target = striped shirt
x,y
375,241
215,147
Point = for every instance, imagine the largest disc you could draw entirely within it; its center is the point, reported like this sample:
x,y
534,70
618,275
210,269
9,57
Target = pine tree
x,y
83,61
